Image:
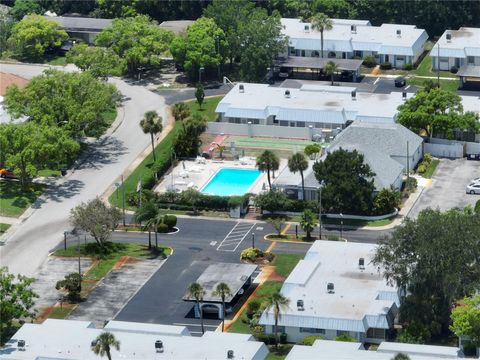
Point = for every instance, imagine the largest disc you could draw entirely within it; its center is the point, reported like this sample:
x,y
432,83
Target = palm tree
x,y
196,291
268,161
144,213
103,343
298,162
221,149
151,124
331,69
222,290
153,223
307,222
277,302
180,111
321,22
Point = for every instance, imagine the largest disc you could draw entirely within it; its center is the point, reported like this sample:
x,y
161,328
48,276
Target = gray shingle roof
x,y
81,23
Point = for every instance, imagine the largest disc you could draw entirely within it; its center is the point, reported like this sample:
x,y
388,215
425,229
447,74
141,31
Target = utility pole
x,y
65,240
408,162
438,63
78,249
320,211
123,201
253,240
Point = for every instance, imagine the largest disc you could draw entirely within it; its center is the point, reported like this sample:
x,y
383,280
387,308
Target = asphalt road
x,y
27,247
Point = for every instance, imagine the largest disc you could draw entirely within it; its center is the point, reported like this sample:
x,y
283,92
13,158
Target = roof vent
x,y
353,29
361,264
300,305
306,28
449,37
354,94
241,88
399,33
331,288
287,93
230,354
404,95
21,345
159,346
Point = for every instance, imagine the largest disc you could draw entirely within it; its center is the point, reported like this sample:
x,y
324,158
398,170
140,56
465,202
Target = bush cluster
x,y
369,61
277,201
310,339
204,202
407,67
252,254
422,167
453,69
386,66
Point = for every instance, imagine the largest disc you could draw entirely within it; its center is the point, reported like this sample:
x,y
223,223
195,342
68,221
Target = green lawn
x,y
15,200
284,263
4,227
60,313
208,107
425,69
109,116
348,222
56,60
49,173
280,353
431,169
450,85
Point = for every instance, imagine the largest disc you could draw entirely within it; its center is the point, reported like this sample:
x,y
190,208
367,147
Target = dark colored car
x,y
473,157
400,81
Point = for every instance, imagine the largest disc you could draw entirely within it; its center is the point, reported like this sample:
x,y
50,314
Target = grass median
x,y
15,199
208,107
431,169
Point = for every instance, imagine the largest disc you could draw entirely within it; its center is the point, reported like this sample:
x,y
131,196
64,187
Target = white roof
x,y
69,339
464,42
310,103
351,22
471,103
361,299
336,350
382,39
6,118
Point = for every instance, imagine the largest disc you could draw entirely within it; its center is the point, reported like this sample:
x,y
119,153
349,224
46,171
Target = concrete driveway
x,y
448,186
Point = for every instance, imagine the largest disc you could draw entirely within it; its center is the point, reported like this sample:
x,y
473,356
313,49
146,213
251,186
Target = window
x,y
357,53
312,330
275,121
341,332
291,51
400,58
280,329
374,333
315,53
332,55
471,60
255,121
283,123
300,123
319,125
303,52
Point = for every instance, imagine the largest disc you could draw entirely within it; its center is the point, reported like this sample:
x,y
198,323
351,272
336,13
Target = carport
x,y
317,64
238,277
469,74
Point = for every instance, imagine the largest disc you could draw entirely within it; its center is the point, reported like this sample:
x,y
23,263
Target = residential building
x,y
70,339
393,43
337,350
83,28
7,80
176,26
337,290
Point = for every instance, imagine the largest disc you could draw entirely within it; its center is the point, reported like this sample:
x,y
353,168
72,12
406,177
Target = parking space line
x,y
192,324
235,237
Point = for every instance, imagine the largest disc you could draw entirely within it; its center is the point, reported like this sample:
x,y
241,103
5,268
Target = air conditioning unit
x,y
361,264
287,93
353,29
404,95
241,88
230,354
399,33
300,305
331,288
21,345
159,346
449,37
306,28
354,94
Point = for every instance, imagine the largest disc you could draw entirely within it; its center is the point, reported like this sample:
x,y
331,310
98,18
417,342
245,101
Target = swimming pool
x,y
227,182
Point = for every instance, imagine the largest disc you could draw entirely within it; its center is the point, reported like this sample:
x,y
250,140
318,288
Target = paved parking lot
x,y
448,186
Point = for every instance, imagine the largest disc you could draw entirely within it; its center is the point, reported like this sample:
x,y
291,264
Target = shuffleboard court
x,y
267,143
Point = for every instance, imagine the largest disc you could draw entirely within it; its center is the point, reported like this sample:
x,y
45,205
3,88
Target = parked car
x,y
6,173
473,157
400,81
473,188
476,180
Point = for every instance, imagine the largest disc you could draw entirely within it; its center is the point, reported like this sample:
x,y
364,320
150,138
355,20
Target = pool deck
x,y
194,174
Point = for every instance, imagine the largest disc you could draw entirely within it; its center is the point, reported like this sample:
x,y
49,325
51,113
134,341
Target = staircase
x,y
252,212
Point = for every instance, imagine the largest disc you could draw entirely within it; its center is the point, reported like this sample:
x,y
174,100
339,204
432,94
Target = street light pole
x,y
341,226
78,249
123,201
320,211
200,70
253,240
65,240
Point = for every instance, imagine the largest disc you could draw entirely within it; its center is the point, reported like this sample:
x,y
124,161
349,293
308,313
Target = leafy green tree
x,y
104,344
386,201
345,338
30,147
76,102
271,201
277,222
221,149
180,111
438,112
72,284
196,291
101,62
331,69
348,182
191,197
418,257
136,40
308,222
198,47
25,7
466,319
6,24
223,291
187,141
16,299
152,124
267,161
200,94
477,207
32,36
277,302
313,151
97,219
321,22
298,163
334,8
145,213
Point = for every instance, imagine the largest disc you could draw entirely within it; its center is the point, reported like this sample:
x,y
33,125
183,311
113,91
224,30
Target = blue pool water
x,y
228,182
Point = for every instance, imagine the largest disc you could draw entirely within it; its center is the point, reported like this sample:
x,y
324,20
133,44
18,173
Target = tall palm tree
x,y
331,69
151,124
196,291
144,213
103,343
298,162
222,290
277,302
153,223
321,22
268,161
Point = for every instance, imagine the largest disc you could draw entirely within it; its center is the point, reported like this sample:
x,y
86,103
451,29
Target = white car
x,y
473,188
476,180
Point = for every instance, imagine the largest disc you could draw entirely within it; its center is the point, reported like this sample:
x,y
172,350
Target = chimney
x,y
287,94
449,37
354,94
241,88
399,33
331,288
353,29
361,264
300,305
404,95
306,28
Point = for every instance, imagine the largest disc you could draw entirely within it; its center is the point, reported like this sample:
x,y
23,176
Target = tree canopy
x,y
30,147
100,62
34,35
348,182
74,101
466,319
137,40
428,259
438,112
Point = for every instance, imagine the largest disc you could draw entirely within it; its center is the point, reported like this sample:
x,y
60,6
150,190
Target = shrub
x,y
180,111
453,69
386,201
133,199
386,66
235,201
268,339
411,184
72,284
271,201
369,61
251,254
469,349
414,333
477,207
310,339
163,228
427,157
252,307
170,221
407,67
345,338
283,338
421,168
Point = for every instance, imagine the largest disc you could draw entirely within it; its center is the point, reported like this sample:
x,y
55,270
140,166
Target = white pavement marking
x,y
259,228
407,87
192,324
235,237
213,243
375,82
